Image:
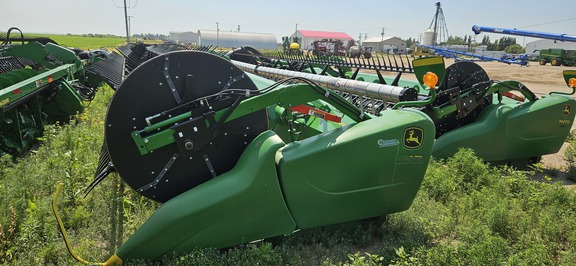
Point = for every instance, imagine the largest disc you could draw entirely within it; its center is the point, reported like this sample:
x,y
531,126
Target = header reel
x,y
163,88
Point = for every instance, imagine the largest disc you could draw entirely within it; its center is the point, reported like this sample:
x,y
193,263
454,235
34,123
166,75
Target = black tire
x,y
556,62
543,62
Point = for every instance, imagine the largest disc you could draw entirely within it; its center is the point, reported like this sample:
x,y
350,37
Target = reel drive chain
x,y
161,88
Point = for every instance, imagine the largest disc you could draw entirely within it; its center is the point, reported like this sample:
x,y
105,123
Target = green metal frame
x,y
286,97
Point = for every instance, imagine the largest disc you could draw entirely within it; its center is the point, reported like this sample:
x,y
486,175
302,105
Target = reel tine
x,y
409,64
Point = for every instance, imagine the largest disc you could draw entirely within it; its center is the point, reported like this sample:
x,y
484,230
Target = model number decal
x,y
383,143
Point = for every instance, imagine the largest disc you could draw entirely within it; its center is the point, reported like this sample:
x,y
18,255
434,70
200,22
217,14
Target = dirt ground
x,y
541,80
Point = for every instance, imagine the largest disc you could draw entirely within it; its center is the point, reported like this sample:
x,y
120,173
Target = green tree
x,y
515,49
410,42
486,40
455,40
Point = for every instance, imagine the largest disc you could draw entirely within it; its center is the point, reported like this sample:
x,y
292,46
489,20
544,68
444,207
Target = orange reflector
x,y
16,91
49,79
572,82
305,109
430,79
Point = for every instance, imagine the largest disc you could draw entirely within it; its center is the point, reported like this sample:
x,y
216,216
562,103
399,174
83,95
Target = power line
x,y
546,23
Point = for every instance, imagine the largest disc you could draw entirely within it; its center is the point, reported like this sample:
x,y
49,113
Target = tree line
x,y
507,44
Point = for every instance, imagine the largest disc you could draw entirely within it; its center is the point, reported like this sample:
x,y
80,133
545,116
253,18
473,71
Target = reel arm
x,y
288,96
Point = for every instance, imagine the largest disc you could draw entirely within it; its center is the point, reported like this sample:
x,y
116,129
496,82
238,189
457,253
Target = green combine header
x,y
243,150
41,82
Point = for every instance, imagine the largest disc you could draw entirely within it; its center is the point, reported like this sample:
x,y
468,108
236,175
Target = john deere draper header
x,y
242,150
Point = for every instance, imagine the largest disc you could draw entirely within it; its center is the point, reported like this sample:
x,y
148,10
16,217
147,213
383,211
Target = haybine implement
x,y
242,151
41,82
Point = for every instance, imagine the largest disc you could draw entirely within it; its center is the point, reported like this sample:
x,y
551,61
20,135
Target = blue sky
x,y
402,19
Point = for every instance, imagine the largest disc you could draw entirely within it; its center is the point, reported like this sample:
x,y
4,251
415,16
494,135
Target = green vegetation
x,y
466,213
85,42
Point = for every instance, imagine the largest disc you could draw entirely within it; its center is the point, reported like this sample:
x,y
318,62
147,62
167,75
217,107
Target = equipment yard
x,y
229,148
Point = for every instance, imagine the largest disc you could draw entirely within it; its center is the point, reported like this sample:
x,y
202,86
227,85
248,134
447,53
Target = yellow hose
x,y
114,260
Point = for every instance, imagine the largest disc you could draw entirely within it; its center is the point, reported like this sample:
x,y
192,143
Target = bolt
x,y
189,145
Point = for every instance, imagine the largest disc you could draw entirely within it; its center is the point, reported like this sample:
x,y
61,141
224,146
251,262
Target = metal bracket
x,y
169,80
161,175
209,164
233,80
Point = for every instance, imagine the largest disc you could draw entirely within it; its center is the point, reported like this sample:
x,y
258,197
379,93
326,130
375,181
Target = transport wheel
x,y
542,62
556,62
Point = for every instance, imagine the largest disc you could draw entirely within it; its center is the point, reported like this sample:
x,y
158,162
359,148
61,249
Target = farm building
x,y
533,47
234,39
184,37
386,44
309,36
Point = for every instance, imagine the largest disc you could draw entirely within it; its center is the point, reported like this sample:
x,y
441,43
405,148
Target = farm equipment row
x,y
40,83
556,57
226,142
458,55
242,147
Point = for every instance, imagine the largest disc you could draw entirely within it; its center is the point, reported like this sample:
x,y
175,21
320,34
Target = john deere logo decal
x,y
567,109
413,137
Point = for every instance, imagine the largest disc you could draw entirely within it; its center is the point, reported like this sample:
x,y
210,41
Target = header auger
x,y
241,151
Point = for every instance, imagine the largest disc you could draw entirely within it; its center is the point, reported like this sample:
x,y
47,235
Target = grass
x,y
466,213
84,42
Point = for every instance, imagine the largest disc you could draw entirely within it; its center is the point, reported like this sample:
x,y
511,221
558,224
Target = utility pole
x,y
382,41
126,20
217,35
129,25
295,38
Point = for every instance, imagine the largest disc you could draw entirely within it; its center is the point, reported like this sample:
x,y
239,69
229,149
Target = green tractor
x,y
557,57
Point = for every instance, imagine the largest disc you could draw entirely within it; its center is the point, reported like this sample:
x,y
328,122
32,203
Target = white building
x,y
385,44
184,37
535,46
234,39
